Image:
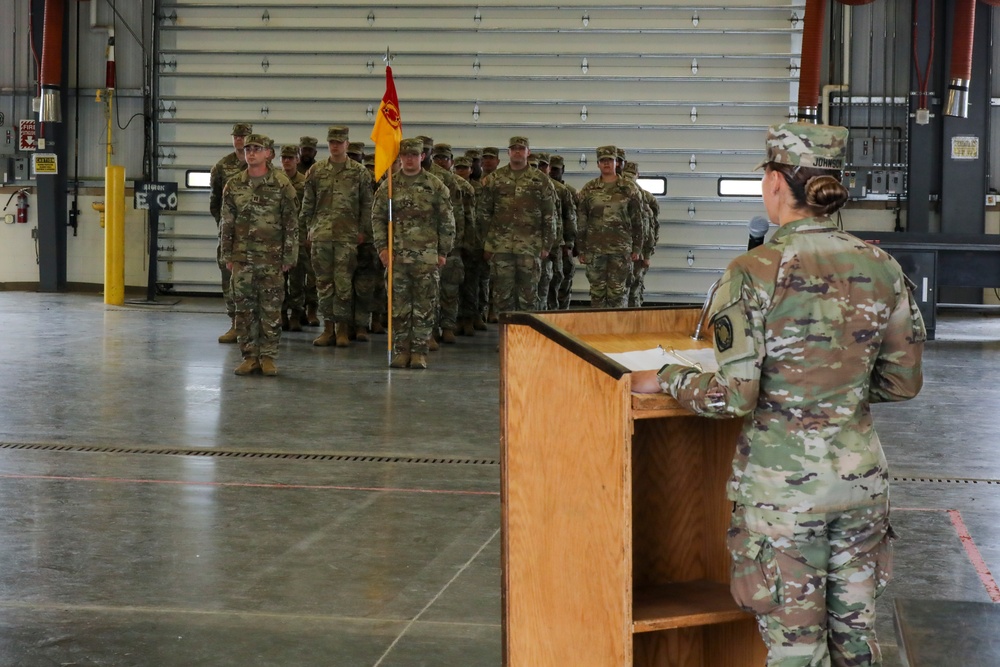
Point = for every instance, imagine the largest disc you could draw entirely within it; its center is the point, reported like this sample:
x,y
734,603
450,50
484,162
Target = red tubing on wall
x,y
812,59
961,47
52,33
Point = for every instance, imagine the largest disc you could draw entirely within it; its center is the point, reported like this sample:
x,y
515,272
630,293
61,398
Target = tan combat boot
x,y
311,319
377,327
249,366
268,367
343,339
325,338
465,327
418,360
478,323
400,360
448,336
432,345
229,336
284,320
491,316
362,333
295,321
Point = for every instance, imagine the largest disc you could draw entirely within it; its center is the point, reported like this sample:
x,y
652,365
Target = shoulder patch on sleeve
x,y
723,333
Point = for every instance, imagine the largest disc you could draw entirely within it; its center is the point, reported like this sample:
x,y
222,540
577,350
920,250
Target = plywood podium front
x,y
614,512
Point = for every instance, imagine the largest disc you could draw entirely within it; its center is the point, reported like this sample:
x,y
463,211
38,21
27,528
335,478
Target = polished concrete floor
x,y
160,511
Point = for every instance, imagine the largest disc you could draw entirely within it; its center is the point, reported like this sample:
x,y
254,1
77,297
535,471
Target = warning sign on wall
x,y
27,135
44,163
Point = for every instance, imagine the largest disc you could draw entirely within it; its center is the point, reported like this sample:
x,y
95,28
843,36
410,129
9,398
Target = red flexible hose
x,y
52,32
812,54
961,48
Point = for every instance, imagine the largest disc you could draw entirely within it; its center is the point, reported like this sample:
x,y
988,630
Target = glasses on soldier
x,y
253,148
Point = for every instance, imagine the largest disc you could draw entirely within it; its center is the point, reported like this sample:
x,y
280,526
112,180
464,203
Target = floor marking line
x,y
435,598
254,485
972,551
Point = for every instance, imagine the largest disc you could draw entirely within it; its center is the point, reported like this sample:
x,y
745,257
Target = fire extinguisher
x,y
22,205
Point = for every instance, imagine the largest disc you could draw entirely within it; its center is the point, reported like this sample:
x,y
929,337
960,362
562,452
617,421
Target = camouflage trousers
x,y
609,277
485,291
258,292
334,264
369,285
548,284
514,280
812,580
452,275
415,289
637,288
474,293
295,283
227,283
566,284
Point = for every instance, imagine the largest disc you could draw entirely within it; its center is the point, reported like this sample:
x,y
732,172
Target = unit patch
x,y
723,333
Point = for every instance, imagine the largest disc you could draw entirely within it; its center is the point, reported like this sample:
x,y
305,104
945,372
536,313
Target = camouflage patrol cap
x,y
518,141
491,151
256,140
268,142
442,150
556,161
474,154
241,129
620,153
607,152
425,141
412,146
289,151
543,158
806,145
356,147
631,168
337,133
308,142
369,160
463,162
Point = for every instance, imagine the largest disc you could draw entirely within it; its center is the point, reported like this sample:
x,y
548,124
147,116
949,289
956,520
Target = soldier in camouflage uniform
x,y
518,210
562,287
423,233
610,232
650,237
490,163
470,307
369,272
463,201
259,241
552,267
810,329
356,151
336,209
293,309
222,171
380,297
307,153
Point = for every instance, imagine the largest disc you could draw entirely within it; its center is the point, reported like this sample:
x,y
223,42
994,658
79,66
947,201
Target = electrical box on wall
x,y
8,141
856,184
878,186
21,170
864,152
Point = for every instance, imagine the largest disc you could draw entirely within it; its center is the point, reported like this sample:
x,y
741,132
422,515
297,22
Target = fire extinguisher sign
x,y
44,163
27,135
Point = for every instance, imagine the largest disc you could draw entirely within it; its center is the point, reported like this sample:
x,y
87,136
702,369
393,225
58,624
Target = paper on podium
x,y
657,357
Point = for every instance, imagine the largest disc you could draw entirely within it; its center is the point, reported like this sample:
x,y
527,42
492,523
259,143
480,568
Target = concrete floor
x,y
161,511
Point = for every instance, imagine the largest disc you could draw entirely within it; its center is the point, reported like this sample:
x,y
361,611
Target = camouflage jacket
x,y
460,195
259,221
423,227
650,222
517,209
298,182
566,196
480,235
810,328
609,218
337,203
223,170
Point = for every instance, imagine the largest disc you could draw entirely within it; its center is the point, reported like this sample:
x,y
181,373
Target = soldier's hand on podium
x,y
646,382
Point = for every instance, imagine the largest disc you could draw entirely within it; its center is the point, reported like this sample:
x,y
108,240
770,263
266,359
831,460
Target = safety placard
x,y
44,163
27,135
155,196
965,148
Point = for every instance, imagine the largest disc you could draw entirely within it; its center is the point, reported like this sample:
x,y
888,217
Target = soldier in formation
x,y
294,309
650,237
563,284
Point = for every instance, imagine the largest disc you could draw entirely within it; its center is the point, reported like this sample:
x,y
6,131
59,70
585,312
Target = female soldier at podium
x,y
810,328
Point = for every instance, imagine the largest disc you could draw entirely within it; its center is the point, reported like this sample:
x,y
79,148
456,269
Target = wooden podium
x,y
614,510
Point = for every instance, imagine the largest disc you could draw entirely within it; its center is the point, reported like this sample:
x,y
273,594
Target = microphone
x,y
758,229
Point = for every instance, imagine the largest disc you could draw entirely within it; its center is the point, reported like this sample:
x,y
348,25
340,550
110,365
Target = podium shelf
x,y
683,605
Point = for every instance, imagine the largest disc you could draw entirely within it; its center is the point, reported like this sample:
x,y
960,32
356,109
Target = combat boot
x,y
400,360
325,338
361,334
465,327
229,336
268,367
418,360
377,327
448,336
342,334
478,323
284,320
295,321
311,319
491,316
432,345
249,366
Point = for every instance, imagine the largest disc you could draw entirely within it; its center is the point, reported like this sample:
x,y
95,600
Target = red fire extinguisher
x,y
22,205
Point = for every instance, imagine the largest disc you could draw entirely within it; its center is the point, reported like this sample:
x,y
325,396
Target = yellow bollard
x,y
114,235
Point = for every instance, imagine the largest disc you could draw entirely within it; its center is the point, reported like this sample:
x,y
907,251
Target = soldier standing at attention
x,y
610,232
470,310
463,199
518,209
423,233
259,240
552,265
307,153
650,237
490,163
224,169
336,208
295,279
562,288
307,158
810,329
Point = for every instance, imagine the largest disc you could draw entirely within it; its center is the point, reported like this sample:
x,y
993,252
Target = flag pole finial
x,y
388,57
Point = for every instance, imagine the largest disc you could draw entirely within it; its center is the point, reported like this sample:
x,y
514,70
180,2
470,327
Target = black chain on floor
x,y
243,454
947,480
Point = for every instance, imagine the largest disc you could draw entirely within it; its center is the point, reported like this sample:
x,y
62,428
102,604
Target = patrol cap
x,y
268,142
463,162
556,161
336,133
631,168
806,145
412,146
474,154
620,153
308,142
356,147
369,160
256,140
518,141
607,152
491,151
289,151
425,141
543,158
241,129
442,150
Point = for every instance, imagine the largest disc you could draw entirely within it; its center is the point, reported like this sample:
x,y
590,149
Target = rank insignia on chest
x,y
257,200
723,333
